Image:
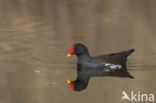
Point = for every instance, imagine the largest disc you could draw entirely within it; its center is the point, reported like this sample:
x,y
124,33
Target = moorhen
x,y
113,64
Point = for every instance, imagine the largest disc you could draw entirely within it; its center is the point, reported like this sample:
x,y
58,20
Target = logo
x,y
137,96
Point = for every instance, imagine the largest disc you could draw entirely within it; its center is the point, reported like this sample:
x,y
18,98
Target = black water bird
x,y
113,64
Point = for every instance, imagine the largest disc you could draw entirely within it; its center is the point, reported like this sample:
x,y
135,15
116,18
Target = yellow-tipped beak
x,y
68,81
68,55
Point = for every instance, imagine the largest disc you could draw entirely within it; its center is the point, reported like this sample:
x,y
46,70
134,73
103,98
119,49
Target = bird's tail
x,y
130,51
126,55
126,74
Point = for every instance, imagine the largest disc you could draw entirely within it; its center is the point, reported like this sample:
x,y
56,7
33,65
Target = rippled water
x,y
35,37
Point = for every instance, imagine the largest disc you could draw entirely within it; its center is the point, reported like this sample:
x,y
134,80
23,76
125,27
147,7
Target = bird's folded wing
x,y
113,58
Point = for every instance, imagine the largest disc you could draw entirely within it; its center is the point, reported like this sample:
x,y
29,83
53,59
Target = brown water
x,y
35,36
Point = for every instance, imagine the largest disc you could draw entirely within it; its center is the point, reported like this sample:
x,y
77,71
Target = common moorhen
x,y
113,64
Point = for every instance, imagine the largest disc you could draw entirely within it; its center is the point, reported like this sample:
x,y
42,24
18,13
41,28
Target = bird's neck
x,y
83,57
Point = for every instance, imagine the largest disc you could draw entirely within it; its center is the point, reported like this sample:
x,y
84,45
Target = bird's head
x,y
78,49
78,85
